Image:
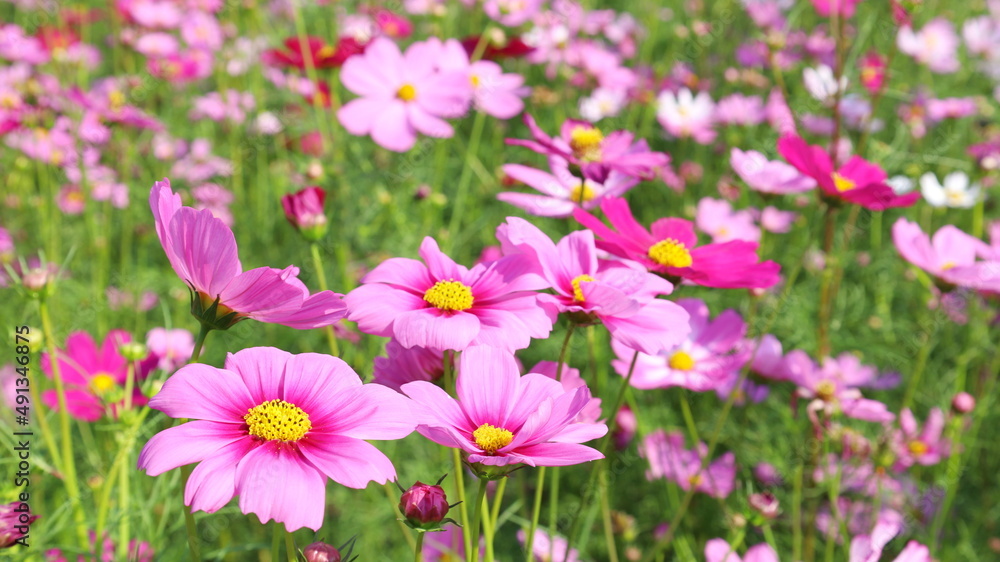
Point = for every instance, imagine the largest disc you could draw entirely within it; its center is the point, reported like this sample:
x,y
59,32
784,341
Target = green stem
x,y
199,343
494,518
464,180
473,553
689,418
277,531
194,546
321,277
609,532
399,516
825,300
535,511
65,429
553,506
290,551
563,351
418,548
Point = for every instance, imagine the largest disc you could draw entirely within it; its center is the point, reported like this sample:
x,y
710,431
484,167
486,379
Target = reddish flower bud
x,y
321,552
304,209
424,504
15,521
963,403
765,504
873,69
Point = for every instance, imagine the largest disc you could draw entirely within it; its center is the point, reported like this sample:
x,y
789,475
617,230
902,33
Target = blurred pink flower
x,y
936,45
718,550
402,365
739,109
716,218
776,220
686,115
561,191
401,94
913,446
670,460
172,348
768,176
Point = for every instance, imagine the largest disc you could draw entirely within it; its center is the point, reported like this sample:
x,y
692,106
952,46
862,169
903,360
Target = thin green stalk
x,y
399,520
290,551
825,290
276,531
563,351
926,346
418,548
124,491
688,417
191,526
65,429
609,532
199,343
473,553
465,179
553,506
535,511
321,277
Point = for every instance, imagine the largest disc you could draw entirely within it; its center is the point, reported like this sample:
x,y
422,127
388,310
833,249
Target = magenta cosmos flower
x,y
620,295
441,305
670,250
95,378
670,460
584,145
913,446
202,250
706,358
401,95
502,418
271,427
858,181
718,550
560,191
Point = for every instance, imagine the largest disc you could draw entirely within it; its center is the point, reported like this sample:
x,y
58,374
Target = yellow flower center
x,y
101,383
474,80
277,420
490,438
406,92
582,193
449,295
116,99
577,291
825,390
947,265
681,361
843,184
586,143
868,74
918,448
670,253
326,52
695,480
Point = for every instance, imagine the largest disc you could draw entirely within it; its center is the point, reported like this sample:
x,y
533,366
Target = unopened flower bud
x,y
765,504
766,474
15,522
304,210
963,403
424,504
133,351
321,552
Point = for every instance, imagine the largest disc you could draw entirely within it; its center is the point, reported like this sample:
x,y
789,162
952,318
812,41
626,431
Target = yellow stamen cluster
x,y
490,438
406,92
277,420
577,292
586,143
450,295
474,80
101,383
681,361
582,193
670,253
826,390
326,52
695,480
918,448
843,184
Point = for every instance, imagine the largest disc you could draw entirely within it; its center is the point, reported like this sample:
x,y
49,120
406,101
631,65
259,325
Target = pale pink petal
x,y
487,384
203,392
187,443
277,482
349,462
213,482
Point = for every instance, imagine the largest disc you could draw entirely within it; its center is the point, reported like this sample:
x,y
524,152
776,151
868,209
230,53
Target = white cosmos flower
x,y
900,184
956,192
821,83
604,102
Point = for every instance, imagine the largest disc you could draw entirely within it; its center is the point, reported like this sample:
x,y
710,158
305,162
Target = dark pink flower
x,y
669,459
670,249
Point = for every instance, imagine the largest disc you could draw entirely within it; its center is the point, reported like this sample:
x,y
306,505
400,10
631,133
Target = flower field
x,y
541,280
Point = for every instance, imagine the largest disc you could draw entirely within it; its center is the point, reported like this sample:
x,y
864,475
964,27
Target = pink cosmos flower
x,y
739,109
402,365
584,145
936,45
779,115
835,386
949,255
873,72
840,8
304,210
570,381
446,545
761,174
493,92
137,551
503,419
709,355
562,192
271,427
773,219
858,181
913,446
620,295
670,249
511,13
716,218
670,460
202,251
401,94
951,108
95,378
172,348
718,550
199,164
439,304
547,547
